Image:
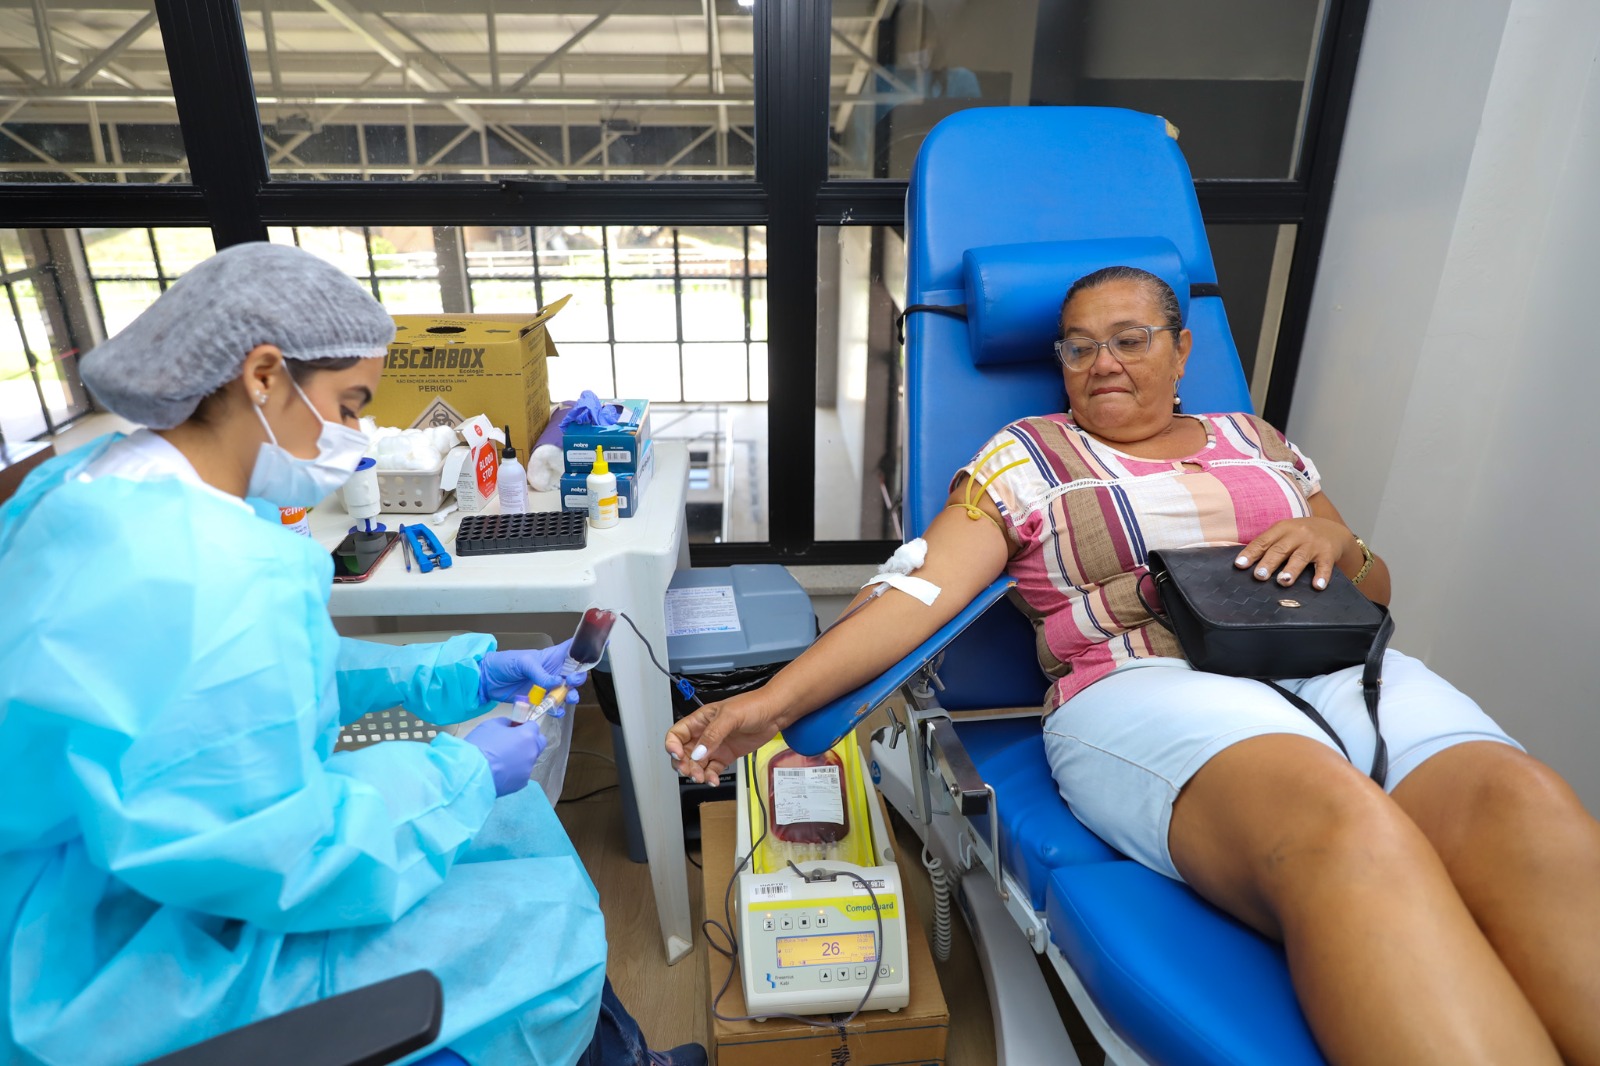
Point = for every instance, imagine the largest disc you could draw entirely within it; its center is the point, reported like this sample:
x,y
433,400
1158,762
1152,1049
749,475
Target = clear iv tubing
x,y
588,646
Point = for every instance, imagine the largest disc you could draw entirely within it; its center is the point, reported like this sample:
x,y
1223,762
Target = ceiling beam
x,y
347,15
565,47
112,51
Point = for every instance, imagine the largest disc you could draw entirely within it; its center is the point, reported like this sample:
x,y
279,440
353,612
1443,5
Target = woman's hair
x,y
1165,297
299,369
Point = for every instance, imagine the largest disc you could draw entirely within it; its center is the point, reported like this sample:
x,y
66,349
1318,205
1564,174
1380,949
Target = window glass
x,y
437,90
86,95
130,266
47,317
1253,271
1230,74
399,264
858,383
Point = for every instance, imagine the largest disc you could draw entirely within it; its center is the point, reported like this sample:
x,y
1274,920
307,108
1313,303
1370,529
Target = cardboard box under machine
x,y
915,1034
442,369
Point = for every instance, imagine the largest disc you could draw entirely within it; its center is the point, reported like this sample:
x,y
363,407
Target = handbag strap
x,y
1371,690
1149,608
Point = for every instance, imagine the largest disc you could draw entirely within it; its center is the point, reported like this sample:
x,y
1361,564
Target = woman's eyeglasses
x,y
1127,345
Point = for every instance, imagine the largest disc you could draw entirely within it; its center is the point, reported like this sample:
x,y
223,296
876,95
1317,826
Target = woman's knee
x,y
1492,796
1273,817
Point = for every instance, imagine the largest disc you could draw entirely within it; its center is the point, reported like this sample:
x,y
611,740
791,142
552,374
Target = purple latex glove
x,y
588,410
511,749
504,676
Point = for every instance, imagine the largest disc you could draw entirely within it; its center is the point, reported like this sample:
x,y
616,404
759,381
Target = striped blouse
x,y
1082,516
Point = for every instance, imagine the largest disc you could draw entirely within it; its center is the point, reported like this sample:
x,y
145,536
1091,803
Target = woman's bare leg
x,y
1387,962
1525,857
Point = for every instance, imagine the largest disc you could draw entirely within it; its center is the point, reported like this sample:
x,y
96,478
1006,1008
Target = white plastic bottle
x,y
602,493
513,480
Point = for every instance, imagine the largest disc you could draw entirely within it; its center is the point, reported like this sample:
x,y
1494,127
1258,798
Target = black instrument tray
x,y
504,534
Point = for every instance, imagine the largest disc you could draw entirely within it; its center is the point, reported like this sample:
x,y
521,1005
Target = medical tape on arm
x,y
896,572
926,591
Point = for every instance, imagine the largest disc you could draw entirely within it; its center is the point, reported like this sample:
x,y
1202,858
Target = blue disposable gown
x,y
182,851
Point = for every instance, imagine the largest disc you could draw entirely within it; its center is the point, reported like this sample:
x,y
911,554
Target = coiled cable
x,y
941,904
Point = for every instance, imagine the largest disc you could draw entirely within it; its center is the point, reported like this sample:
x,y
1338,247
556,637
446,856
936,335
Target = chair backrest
x,y
986,178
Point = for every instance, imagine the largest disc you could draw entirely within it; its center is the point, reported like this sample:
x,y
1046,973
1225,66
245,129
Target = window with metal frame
x,y
831,94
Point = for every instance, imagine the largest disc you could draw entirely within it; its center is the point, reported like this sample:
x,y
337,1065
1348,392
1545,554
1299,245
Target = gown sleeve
x,y
183,652
436,682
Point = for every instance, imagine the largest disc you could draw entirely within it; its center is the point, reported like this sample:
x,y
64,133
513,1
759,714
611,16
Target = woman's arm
x,y
1321,541
965,554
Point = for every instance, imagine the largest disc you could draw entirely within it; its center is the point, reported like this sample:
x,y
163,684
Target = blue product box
x,y
630,486
626,442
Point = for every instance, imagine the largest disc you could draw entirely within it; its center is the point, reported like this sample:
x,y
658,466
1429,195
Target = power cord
x,y
731,952
682,684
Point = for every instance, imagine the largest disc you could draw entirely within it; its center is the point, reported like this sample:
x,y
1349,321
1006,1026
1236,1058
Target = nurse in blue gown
x,y
181,849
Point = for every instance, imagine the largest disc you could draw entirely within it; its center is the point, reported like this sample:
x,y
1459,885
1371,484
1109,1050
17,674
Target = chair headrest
x,y
1014,291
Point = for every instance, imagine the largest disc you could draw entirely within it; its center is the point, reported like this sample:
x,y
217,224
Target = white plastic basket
x,y
410,490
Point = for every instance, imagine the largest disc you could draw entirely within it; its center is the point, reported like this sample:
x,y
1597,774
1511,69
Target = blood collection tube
x,y
588,645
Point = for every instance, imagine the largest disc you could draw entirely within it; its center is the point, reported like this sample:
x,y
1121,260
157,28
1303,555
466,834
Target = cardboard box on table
x,y
443,369
916,1034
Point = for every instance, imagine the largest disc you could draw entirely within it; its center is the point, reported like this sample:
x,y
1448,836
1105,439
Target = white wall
x,y
1451,372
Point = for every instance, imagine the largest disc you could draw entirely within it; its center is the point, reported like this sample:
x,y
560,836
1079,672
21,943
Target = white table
x,y
625,568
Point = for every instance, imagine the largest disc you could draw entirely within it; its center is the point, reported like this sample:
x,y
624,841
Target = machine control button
x,y
861,973
827,975
805,922
786,923
768,924
883,971
822,921
844,973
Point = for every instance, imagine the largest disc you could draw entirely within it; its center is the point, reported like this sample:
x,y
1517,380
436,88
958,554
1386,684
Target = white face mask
x,y
290,481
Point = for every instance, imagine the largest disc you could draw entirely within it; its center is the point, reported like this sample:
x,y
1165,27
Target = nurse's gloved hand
x,y
511,750
505,676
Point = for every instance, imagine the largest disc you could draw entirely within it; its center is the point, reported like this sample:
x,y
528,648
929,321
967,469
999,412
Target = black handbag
x,y
1228,622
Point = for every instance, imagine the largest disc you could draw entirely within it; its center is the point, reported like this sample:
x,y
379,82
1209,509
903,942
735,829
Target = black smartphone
x,y
358,555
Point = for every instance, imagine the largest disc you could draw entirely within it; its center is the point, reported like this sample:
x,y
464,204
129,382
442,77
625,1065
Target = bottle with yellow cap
x,y
602,493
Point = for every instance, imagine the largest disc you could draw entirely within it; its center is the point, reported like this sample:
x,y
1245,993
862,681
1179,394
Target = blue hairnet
x,y
194,338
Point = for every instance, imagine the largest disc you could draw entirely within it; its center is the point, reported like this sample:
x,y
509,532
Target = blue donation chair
x,y
1007,207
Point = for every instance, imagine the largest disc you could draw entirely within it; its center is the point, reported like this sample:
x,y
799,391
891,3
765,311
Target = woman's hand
x,y
1288,547
709,740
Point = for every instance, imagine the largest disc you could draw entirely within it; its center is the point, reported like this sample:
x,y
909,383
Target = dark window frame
x,y
233,193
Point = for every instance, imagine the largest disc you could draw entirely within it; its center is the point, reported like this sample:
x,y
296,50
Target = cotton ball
x,y
906,558
442,438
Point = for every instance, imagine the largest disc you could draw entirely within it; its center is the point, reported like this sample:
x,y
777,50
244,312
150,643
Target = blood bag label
x,y
807,794
707,609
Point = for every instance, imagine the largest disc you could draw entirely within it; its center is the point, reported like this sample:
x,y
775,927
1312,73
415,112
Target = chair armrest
x,y
822,728
365,1027
955,768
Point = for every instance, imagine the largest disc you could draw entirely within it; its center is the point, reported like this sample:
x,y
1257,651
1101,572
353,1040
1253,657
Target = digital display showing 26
x,y
843,948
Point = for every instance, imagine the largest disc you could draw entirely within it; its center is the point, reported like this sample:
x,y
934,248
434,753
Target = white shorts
x,y
1122,749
